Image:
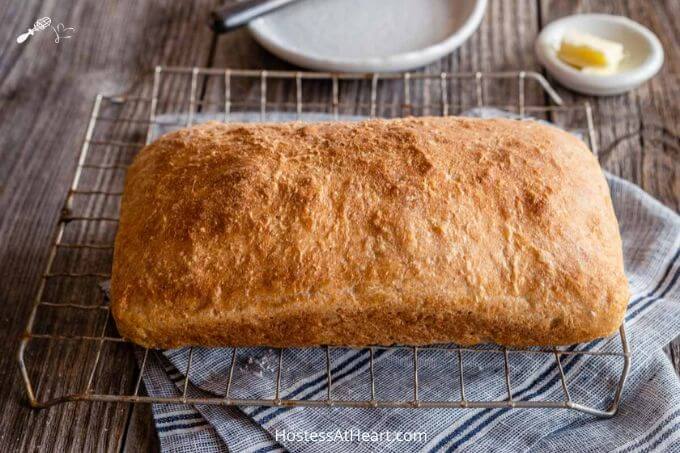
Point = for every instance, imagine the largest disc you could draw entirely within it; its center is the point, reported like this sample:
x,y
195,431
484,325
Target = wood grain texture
x,y
141,434
46,93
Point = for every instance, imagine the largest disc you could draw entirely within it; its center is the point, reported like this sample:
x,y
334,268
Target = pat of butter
x,y
590,53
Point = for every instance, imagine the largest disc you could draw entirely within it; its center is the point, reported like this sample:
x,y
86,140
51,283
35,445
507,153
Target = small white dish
x,y
367,36
643,53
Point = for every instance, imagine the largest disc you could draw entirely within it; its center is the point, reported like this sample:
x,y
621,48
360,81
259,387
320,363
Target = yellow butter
x,y
590,53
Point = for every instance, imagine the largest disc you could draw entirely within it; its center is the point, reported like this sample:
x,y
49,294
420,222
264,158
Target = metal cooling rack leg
x,y
479,89
231,374
192,97
142,368
335,97
506,365
374,95
407,108
329,378
187,375
563,378
277,399
416,401
33,401
154,102
298,95
614,407
463,401
545,85
98,355
263,95
444,94
591,130
520,92
374,403
227,94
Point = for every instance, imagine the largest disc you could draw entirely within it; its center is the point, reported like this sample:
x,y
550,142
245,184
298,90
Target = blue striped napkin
x,y
648,418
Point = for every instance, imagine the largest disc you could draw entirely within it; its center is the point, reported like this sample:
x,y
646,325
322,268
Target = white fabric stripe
x,y
179,432
671,444
639,314
652,439
175,413
185,421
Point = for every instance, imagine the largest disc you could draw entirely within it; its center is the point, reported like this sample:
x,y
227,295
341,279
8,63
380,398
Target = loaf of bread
x,y
406,231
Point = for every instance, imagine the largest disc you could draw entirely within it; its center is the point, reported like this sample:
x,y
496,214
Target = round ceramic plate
x,y
367,36
643,54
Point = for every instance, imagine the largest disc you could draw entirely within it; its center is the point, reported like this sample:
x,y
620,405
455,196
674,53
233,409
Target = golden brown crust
x,y
412,231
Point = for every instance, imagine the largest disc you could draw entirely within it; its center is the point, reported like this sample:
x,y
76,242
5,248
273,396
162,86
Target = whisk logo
x,y
39,25
60,31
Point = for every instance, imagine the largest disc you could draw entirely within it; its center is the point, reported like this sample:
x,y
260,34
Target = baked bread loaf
x,y
406,231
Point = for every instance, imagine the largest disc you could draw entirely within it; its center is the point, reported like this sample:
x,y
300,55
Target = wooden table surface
x,y
46,92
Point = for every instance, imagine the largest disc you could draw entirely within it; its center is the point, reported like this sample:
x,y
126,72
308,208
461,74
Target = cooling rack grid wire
x,y
70,319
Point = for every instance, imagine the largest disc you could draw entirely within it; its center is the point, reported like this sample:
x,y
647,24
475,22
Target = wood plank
x,y
47,92
638,131
141,436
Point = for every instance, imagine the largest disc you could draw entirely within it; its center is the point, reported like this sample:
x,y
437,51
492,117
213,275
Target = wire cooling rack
x,y
70,320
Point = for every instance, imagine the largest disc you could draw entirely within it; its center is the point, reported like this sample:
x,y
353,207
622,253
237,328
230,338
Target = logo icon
x,y
61,31
39,25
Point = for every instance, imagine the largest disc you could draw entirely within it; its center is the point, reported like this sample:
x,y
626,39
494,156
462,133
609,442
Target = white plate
x,y
643,53
367,35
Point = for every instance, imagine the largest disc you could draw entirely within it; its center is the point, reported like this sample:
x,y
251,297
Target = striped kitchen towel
x,y
648,417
